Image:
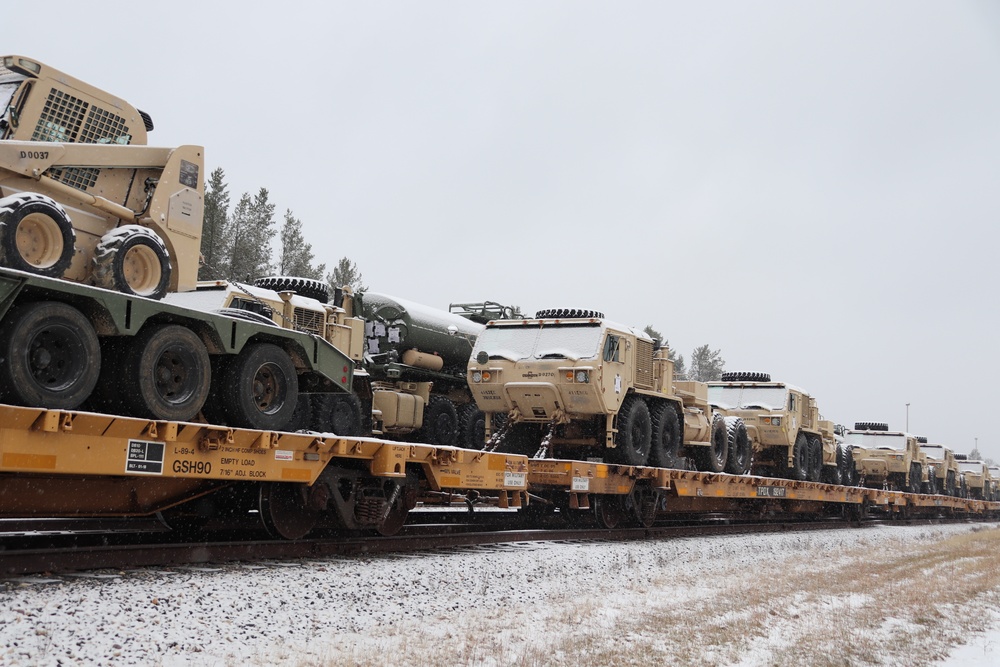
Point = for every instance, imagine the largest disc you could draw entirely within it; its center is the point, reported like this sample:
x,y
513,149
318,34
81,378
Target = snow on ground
x,y
696,600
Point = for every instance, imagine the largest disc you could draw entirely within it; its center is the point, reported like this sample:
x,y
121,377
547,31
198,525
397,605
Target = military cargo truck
x,y
572,383
81,195
884,458
942,465
789,437
977,478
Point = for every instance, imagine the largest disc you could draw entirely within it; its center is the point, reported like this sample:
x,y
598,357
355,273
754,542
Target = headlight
x,y
477,376
772,421
583,376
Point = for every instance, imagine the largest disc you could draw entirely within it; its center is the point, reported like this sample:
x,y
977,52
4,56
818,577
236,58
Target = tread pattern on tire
x,y
568,313
745,376
307,287
871,426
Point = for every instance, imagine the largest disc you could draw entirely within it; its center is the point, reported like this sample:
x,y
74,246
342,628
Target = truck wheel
x,y
666,444
52,357
815,471
848,475
932,486
834,474
471,427
714,457
165,373
259,388
440,422
916,472
800,459
949,484
302,418
338,413
307,287
740,449
635,432
36,235
133,260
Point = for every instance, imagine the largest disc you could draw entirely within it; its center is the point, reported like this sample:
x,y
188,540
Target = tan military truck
x,y
884,458
978,480
573,383
81,195
941,469
789,437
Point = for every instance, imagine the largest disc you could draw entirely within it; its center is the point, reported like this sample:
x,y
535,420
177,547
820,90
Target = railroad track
x,y
150,549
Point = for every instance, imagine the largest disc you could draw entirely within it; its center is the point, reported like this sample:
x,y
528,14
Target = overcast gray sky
x,y
813,188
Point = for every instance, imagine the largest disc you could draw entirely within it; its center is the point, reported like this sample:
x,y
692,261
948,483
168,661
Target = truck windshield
x,y
733,398
538,342
876,440
936,453
974,467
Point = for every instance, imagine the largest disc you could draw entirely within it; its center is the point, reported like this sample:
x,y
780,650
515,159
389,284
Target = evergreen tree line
x,y
237,244
706,364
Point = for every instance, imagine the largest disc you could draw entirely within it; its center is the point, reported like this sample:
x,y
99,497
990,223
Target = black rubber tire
x,y
302,419
339,413
932,483
915,482
950,485
665,446
568,313
871,426
815,472
848,475
165,373
440,422
745,376
45,216
740,450
799,468
714,457
307,287
127,249
922,439
471,427
51,356
259,388
635,433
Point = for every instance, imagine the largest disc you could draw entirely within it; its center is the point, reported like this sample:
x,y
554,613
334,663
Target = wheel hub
x,y
39,241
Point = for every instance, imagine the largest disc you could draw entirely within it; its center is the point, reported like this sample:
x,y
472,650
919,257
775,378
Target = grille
x,y
644,364
62,120
309,320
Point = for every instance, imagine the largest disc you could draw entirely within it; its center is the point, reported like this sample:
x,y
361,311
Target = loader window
x,y
7,91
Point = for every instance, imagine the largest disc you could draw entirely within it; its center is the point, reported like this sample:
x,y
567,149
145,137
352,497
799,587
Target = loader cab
x,y
39,103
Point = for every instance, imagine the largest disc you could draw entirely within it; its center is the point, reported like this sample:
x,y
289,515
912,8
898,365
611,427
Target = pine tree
x,y
678,359
346,273
213,229
706,364
296,255
248,238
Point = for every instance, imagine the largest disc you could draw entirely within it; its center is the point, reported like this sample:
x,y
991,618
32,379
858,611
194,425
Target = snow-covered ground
x,y
839,597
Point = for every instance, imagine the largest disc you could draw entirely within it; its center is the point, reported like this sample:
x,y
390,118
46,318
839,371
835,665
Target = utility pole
x,y
907,417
